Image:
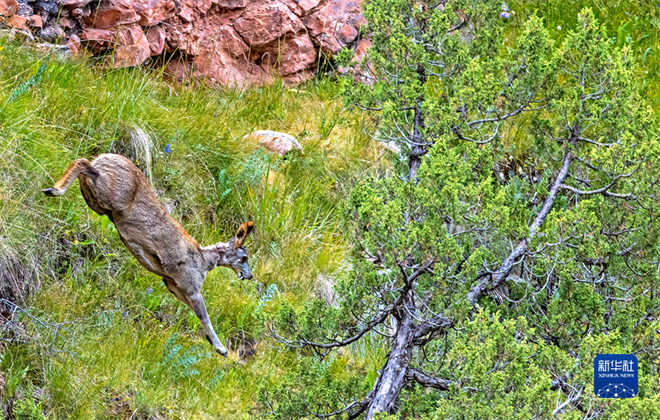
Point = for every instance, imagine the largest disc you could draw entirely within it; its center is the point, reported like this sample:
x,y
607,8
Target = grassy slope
x,y
115,357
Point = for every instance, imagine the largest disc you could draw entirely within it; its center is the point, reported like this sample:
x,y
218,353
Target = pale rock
x,y
307,5
278,36
74,44
152,12
98,39
325,23
18,22
262,25
275,141
232,4
74,4
66,23
347,34
156,38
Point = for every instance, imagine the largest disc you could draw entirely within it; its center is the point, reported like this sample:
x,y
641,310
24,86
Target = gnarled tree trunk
x,y
393,376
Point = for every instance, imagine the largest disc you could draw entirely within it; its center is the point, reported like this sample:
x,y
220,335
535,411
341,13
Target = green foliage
x,y
152,301
27,409
314,387
417,48
344,57
13,380
33,80
181,361
268,295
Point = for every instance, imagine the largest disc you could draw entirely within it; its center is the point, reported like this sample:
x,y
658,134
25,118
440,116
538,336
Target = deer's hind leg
x,y
79,166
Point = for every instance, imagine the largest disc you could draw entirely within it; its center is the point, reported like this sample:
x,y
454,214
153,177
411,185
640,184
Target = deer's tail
x,y
79,166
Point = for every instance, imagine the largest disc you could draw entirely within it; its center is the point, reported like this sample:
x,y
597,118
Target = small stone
x,y
8,34
132,47
66,23
49,6
74,4
52,33
347,34
36,21
277,142
308,5
112,14
74,43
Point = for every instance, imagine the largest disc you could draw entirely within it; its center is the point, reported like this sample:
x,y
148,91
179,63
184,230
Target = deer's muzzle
x,y
245,272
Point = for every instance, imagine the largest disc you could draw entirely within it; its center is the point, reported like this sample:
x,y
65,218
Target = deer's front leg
x,y
197,302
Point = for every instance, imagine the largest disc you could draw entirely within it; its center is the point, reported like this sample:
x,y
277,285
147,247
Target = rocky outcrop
x,y
231,42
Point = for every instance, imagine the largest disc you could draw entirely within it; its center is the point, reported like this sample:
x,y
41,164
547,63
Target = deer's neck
x,y
214,254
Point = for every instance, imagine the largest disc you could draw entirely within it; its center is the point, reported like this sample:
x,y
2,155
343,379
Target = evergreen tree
x,y
523,243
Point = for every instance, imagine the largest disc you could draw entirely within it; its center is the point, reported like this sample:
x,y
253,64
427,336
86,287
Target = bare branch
x,y
494,280
433,326
571,399
427,380
603,191
304,342
507,115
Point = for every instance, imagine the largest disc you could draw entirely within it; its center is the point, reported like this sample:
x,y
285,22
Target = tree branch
x,y
433,326
495,279
427,380
570,400
377,320
603,191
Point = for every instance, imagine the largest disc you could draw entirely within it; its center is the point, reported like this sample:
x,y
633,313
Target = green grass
x,y
120,351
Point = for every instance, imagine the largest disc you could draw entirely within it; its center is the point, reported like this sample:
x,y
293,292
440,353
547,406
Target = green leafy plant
x,y
27,409
180,361
193,321
151,300
33,80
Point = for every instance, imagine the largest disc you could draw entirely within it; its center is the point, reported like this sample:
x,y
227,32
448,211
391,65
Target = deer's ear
x,y
242,233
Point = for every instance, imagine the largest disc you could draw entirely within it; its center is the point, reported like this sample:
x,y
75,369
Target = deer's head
x,y
233,255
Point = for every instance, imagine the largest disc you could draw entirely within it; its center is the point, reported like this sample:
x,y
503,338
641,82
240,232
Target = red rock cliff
x,y
231,42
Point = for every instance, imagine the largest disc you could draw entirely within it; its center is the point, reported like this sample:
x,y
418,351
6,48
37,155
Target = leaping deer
x,y
114,186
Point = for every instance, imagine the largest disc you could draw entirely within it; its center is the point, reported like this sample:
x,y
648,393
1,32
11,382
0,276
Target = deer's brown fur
x,y
114,186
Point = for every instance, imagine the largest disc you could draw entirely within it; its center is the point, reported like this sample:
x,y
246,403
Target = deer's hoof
x,y
222,351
